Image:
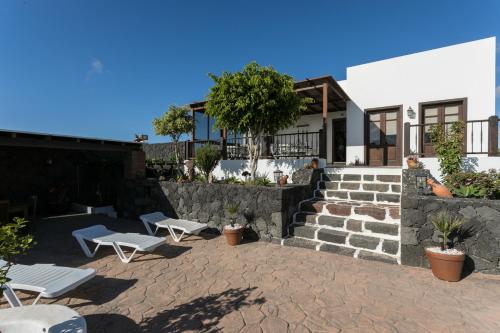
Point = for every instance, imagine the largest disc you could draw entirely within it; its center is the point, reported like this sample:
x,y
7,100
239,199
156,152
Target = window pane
x,y
449,119
431,112
374,116
375,133
451,109
391,132
391,115
430,120
201,129
214,132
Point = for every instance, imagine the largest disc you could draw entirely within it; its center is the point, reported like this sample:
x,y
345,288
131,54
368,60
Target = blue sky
x,y
107,68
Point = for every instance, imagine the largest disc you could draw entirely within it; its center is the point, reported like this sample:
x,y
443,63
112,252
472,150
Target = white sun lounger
x,y
47,280
159,220
102,236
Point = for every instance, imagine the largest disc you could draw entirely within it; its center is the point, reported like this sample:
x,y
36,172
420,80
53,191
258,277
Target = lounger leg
x,y
86,249
148,228
11,297
122,255
174,235
37,298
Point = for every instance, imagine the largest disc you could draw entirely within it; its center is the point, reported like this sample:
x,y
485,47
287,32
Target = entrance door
x,y
383,136
338,140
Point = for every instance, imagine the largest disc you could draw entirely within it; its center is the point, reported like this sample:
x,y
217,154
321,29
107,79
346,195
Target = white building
x,y
377,116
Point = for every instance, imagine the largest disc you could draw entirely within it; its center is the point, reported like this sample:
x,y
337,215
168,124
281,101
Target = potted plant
x,y
233,231
446,262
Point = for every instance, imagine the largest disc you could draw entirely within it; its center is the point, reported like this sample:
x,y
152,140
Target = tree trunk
x,y
176,153
254,148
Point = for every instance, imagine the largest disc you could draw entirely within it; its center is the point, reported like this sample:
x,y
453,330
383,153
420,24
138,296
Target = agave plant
x,y
470,191
232,209
446,225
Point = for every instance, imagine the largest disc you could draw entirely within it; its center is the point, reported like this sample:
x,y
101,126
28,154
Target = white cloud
x,y
96,68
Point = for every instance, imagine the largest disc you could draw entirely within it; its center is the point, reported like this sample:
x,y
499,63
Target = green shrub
x,y
11,245
486,182
233,180
258,181
448,145
469,191
206,159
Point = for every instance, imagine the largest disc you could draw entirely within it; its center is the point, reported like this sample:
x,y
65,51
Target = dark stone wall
x,y
480,239
164,150
266,210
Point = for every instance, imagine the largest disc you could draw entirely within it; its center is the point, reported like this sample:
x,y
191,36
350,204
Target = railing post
x,y
223,144
322,143
406,139
492,136
266,146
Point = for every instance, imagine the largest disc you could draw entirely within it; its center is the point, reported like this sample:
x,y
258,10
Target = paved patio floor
x,y
203,285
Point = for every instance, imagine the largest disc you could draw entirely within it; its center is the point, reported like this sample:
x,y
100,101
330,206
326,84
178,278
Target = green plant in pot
x,y
233,231
446,262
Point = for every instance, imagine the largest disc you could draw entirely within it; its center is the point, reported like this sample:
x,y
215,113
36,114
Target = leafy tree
x,y
206,160
174,123
258,101
449,145
12,244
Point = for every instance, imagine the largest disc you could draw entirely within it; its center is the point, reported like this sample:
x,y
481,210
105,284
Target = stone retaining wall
x,y
266,210
164,150
481,240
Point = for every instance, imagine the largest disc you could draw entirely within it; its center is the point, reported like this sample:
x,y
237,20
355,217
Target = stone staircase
x,y
354,212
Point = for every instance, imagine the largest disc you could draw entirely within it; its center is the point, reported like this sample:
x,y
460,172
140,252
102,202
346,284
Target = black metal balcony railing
x,y
481,137
293,145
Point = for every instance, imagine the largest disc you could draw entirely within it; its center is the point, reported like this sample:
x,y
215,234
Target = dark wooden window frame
x,y
399,142
440,103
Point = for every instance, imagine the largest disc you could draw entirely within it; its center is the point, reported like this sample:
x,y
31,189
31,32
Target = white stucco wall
x,y
265,167
313,123
460,71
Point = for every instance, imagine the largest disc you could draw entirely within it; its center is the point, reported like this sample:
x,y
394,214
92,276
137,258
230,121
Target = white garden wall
x,y
265,167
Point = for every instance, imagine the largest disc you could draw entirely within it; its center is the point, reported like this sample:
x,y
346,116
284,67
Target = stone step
x,y
340,249
307,224
360,186
366,211
374,197
373,178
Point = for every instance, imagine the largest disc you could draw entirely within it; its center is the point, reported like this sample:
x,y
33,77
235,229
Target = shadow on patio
x,y
202,314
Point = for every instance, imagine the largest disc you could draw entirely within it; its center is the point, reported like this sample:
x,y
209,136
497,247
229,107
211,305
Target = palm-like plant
x,y
446,225
232,209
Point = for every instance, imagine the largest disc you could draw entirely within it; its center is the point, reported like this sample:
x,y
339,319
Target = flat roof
x,y
13,138
312,88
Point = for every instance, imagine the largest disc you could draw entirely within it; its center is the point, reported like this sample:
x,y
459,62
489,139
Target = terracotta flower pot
x,y
447,267
439,190
233,236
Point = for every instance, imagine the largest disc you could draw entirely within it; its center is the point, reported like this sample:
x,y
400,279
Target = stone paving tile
x,y
203,285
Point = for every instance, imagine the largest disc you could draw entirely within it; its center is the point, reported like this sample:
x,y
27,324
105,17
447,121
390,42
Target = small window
x,y
444,114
